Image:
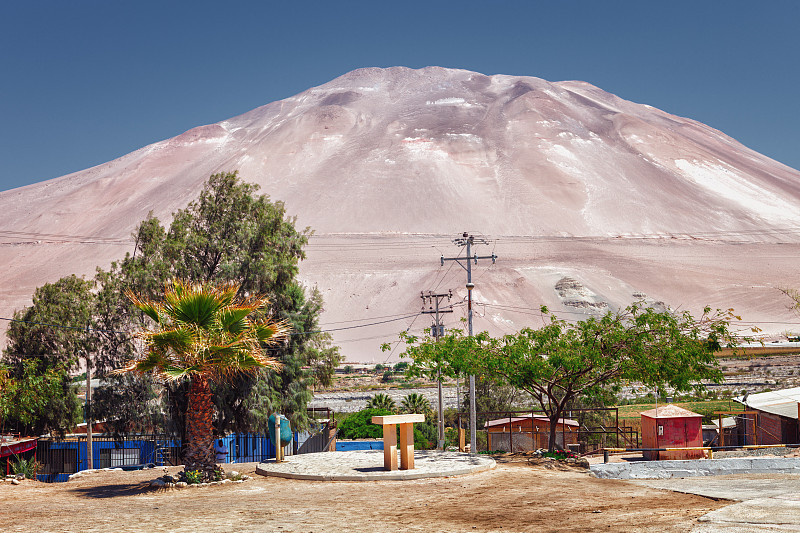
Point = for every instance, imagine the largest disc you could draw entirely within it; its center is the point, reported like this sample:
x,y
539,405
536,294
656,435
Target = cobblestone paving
x,y
367,465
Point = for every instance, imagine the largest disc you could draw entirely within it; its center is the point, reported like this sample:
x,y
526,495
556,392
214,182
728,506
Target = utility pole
x,y
468,240
437,330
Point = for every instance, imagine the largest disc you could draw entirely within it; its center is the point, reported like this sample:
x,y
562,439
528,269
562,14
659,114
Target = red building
x,y
12,447
529,433
671,426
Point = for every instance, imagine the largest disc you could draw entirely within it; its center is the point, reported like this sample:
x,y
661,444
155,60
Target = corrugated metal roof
x,y
780,402
669,411
501,421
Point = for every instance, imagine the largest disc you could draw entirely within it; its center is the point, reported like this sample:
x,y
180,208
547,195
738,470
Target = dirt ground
x,y
515,496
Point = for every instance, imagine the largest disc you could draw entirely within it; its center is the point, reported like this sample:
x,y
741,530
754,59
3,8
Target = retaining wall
x,y
699,467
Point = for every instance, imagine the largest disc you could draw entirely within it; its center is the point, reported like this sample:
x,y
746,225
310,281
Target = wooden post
x,y
721,433
462,438
755,429
390,447
278,449
406,446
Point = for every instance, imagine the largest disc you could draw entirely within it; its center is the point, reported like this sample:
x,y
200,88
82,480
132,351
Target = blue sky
x,y
84,82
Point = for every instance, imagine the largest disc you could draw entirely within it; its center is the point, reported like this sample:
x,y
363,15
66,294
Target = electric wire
x,y
128,332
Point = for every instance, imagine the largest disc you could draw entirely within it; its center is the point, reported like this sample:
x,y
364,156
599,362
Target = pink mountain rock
x,y
589,201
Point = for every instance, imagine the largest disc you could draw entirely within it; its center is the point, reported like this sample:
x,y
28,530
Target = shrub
x,y
402,366
359,425
194,477
426,434
27,467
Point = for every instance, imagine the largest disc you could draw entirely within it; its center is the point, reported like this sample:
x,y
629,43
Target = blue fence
x,y
61,457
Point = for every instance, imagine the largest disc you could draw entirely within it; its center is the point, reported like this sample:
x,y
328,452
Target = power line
x,y
128,332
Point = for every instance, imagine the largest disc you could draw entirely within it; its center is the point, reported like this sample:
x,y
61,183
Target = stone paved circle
x,y
367,465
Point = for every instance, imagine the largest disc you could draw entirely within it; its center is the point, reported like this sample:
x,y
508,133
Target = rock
x,y
168,478
20,476
181,485
231,474
15,481
245,477
157,483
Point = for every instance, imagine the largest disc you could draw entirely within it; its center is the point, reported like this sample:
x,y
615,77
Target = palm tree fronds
x,y
151,309
204,330
272,332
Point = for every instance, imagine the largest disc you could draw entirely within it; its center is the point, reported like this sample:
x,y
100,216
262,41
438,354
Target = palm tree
x,y
415,403
204,334
381,401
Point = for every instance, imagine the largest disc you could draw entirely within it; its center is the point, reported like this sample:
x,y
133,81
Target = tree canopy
x,y
228,234
563,361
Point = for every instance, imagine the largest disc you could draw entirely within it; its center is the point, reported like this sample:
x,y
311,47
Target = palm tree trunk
x,y
199,428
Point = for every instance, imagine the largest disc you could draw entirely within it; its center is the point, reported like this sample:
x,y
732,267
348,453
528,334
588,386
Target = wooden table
x,y
406,423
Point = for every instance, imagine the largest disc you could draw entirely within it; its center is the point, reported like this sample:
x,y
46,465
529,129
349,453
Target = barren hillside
x,y
590,201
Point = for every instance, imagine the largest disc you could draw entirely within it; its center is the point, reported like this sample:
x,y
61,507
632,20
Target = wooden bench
x,y
406,423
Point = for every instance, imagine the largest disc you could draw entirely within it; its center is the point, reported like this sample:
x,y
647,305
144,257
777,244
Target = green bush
x,y
27,467
359,425
426,434
194,477
402,366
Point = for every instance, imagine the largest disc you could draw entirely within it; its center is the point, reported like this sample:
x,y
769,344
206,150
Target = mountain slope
x,y
390,160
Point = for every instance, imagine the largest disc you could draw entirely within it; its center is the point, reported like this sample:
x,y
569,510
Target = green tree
x,y
67,303
402,366
45,342
493,395
381,401
563,361
231,234
415,403
204,334
36,401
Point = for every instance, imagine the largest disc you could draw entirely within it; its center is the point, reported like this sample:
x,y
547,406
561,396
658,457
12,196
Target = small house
x,y
671,426
529,433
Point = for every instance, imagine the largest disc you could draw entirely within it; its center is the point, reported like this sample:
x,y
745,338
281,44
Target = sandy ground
x,y
516,496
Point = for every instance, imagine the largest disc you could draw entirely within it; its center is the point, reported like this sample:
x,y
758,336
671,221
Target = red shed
x,y
671,426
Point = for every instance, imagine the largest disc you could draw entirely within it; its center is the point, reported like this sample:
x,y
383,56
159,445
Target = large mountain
x,y
589,200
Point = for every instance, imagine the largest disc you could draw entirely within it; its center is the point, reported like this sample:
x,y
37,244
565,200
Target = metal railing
x,y
516,431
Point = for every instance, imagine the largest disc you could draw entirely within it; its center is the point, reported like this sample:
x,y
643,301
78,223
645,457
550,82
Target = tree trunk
x,y
199,428
551,443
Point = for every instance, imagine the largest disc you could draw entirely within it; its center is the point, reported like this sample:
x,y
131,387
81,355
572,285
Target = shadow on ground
x,y
112,491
